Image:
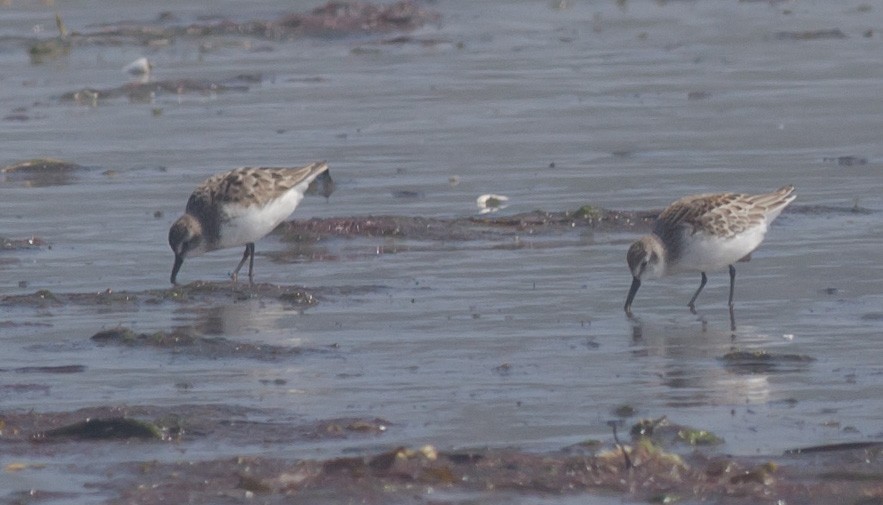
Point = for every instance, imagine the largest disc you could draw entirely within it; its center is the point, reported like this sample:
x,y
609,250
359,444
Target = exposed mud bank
x,y
663,463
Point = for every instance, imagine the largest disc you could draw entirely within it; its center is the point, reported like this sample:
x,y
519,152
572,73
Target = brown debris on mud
x,y
763,362
195,292
349,18
464,228
185,341
538,222
202,290
823,34
40,172
410,475
646,469
147,92
333,19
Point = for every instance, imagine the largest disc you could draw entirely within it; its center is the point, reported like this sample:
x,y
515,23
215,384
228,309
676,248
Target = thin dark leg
x,y
732,283
251,264
732,289
692,303
628,462
249,253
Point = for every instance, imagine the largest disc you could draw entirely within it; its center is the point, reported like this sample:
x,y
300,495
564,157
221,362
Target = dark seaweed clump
x,y
198,346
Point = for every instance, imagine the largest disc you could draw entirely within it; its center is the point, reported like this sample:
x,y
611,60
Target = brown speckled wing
x,y
723,215
251,185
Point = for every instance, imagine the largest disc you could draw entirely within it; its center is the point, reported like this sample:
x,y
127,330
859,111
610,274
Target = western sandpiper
x,y
703,233
237,208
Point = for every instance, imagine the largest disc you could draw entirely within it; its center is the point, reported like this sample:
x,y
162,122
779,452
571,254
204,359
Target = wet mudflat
x,y
403,343
662,463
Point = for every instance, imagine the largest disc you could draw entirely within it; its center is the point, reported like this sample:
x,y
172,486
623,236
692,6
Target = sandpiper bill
x,y
237,208
704,233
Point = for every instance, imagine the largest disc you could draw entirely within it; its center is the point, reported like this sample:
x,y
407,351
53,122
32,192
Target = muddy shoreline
x,y
663,462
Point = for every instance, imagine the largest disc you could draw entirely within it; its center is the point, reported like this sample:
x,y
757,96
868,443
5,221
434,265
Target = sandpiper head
x,y
645,258
185,238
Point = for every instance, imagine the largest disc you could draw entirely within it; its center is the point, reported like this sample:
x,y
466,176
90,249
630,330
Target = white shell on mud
x,y
491,202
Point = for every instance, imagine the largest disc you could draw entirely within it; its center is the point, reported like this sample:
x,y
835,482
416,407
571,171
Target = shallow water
x,y
465,343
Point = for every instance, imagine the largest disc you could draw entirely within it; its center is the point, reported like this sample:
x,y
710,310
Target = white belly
x,y
706,253
242,225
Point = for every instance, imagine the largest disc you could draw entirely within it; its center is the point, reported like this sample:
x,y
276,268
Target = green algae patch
x,y
665,433
588,212
698,437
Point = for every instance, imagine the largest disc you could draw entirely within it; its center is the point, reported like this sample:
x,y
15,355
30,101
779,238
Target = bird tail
x,y
316,168
320,181
775,202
